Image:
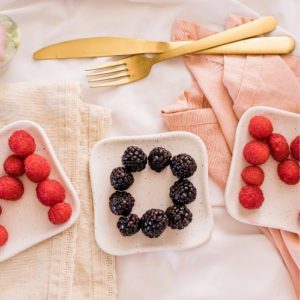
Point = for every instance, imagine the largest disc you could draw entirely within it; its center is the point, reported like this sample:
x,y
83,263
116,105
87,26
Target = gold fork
x,y
138,66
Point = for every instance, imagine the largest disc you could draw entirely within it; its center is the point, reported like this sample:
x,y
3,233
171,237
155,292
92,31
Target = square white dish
x,y
281,205
26,220
150,190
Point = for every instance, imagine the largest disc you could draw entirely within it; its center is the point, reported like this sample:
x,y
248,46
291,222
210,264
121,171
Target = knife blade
x,y
110,46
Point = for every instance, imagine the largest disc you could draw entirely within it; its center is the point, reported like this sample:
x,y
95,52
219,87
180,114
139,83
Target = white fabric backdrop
x,y
238,262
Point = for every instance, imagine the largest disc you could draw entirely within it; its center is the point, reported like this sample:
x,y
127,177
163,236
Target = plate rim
x,y
150,137
70,187
248,112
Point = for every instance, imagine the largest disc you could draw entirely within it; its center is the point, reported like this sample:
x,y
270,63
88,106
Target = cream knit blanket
x,y
69,265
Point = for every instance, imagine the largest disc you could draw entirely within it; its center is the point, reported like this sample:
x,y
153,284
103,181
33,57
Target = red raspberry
x,y
3,235
253,175
256,152
50,192
289,171
60,213
11,188
279,146
37,168
14,166
260,127
295,147
21,143
251,197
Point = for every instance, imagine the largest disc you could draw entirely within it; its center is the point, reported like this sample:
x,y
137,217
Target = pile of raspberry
x,y
257,152
49,192
154,221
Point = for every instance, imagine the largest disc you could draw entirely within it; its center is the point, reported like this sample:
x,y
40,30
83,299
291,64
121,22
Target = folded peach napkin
x,y
69,266
2,41
223,88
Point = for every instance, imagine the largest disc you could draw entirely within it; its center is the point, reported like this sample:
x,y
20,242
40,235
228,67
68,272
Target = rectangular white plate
x,y
26,220
150,190
281,205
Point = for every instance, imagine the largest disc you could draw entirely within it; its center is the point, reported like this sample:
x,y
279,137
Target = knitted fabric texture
x,y
69,265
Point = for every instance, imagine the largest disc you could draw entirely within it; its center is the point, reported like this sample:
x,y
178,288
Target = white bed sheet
x,y
238,263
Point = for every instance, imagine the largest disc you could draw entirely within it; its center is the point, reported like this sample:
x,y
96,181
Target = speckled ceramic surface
x,y
282,202
151,190
27,219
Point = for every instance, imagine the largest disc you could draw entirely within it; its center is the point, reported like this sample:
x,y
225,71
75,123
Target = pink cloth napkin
x,y
223,88
2,41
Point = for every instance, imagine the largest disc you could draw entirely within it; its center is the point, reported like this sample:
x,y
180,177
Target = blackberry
x,y
183,192
183,165
178,216
153,222
159,158
120,179
134,159
129,225
121,203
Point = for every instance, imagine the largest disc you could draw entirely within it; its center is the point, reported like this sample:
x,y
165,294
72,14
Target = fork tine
x,y
112,70
124,80
108,65
116,76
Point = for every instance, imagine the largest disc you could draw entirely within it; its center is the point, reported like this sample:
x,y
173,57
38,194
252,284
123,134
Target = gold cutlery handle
x,y
260,45
250,29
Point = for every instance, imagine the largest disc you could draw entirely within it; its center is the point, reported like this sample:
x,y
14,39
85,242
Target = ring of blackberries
x,y
154,221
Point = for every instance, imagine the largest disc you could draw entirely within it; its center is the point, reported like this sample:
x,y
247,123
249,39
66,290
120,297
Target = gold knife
x,y
110,46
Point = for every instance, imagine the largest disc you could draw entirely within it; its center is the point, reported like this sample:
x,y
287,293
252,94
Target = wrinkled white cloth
x,y
238,262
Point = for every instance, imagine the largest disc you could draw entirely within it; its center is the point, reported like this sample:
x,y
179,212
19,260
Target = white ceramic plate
x,y
27,219
151,190
281,205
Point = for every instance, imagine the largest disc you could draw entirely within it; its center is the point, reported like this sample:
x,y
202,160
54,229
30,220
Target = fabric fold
x,y
231,84
69,265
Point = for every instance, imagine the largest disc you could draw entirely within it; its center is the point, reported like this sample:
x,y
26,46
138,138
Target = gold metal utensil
x,y
260,45
110,46
137,67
